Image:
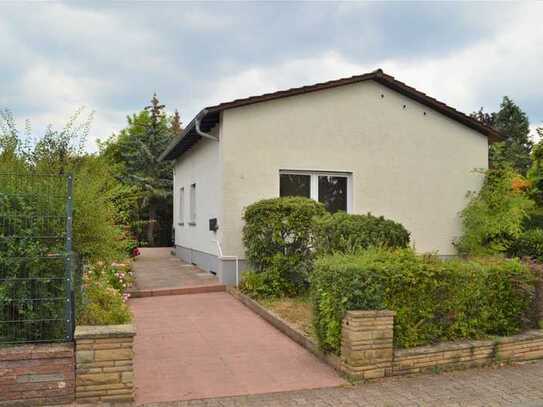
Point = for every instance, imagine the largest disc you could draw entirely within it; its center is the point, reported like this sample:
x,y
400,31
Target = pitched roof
x,y
209,116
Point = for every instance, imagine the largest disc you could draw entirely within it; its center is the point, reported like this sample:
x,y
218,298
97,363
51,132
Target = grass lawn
x,y
297,311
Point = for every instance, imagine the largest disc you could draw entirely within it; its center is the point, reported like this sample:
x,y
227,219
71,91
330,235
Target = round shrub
x,y
280,226
345,233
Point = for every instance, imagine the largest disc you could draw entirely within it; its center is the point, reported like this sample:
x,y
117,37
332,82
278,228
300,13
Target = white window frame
x,y
314,182
192,198
181,206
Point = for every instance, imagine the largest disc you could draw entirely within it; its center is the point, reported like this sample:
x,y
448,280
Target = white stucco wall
x,y
409,166
199,165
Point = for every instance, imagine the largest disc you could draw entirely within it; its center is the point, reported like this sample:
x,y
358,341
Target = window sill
x,y
192,223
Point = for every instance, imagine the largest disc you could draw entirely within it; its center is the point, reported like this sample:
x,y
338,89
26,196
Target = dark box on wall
x,y
213,225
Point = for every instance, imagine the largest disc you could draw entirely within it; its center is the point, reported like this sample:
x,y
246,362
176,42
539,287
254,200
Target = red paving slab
x,y
210,345
158,272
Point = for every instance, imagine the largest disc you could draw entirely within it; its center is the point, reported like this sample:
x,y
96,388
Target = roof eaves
x,y
174,143
189,136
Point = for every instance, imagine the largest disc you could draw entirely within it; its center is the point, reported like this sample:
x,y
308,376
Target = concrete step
x,y
156,292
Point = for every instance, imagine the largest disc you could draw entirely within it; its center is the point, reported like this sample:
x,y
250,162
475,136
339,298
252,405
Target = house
x,y
368,143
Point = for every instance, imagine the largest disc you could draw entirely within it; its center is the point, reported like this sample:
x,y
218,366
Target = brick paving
x,y
157,268
211,345
519,386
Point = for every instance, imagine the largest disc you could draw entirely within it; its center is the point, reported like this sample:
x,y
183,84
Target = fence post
x,y
68,260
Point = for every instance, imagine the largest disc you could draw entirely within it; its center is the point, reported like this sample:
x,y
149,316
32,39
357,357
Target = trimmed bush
x,y
434,299
280,226
345,233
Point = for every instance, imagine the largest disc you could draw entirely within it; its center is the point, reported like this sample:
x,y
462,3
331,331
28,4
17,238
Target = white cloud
x,y
306,71
478,75
111,58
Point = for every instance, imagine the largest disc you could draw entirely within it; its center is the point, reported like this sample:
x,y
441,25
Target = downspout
x,y
199,131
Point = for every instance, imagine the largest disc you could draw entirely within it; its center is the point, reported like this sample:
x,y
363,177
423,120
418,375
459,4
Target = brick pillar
x,y
104,364
366,343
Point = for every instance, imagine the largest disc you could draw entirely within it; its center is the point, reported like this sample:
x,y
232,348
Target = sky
x,y
110,57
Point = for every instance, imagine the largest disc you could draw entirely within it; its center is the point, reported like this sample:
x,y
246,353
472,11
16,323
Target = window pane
x,y
333,193
193,203
294,185
181,205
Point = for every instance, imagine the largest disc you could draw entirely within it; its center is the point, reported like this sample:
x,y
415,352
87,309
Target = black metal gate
x,y
36,258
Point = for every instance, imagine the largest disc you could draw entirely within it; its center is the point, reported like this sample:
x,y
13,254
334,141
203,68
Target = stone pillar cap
x,y
370,313
104,331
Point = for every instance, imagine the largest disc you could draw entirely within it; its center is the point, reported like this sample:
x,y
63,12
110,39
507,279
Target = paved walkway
x,y
209,345
156,269
518,386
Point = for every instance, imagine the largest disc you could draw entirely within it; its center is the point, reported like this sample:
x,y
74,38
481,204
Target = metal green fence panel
x,y
36,259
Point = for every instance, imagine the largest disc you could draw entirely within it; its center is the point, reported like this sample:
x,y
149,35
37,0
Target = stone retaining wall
x,y
104,364
37,374
367,350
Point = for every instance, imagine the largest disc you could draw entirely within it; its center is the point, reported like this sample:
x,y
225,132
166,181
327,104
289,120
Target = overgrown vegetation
x,y
104,302
434,300
495,216
122,199
99,236
505,217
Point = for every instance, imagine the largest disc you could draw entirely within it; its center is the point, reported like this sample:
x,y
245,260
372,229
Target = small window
x,y
295,185
193,203
181,219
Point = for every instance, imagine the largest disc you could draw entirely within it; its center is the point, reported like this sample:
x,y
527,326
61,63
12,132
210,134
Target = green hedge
x,y
434,299
345,233
281,226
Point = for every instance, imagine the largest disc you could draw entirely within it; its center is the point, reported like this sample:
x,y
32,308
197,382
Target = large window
x,y
332,189
181,219
193,204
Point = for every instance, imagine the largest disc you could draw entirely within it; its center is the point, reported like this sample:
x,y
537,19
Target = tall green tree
x,y
513,123
535,173
134,153
177,124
